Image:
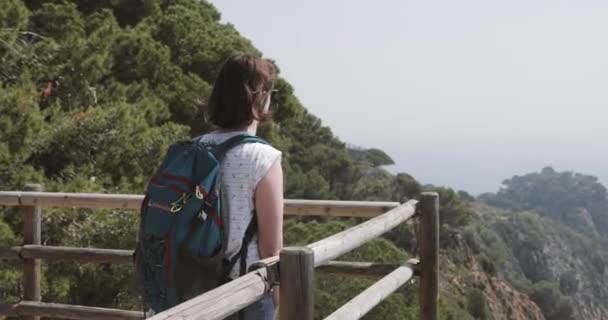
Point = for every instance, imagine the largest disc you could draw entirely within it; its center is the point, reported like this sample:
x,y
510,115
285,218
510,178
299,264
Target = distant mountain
x,y
576,200
550,240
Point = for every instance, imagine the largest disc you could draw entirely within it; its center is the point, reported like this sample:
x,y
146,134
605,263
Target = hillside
x,y
93,92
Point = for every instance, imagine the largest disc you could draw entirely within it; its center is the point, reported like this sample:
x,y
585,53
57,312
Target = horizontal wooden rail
x,y
9,253
251,285
369,269
126,257
223,301
372,296
237,294
352,238
67,311
131,201
67,199
357,268
366,209
67,253
231,297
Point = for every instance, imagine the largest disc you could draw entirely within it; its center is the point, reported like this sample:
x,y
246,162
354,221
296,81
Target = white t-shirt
x,y
241,170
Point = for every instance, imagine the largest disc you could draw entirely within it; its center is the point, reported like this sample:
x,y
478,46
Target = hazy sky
x,y
459,93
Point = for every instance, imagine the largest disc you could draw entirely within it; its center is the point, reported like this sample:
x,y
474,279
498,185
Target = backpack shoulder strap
x,y
220,150
242,253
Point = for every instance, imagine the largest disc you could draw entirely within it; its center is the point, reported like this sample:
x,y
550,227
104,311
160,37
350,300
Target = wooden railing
x,y
293,270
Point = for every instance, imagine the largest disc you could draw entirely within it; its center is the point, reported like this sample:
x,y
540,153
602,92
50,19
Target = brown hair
x,y
240,92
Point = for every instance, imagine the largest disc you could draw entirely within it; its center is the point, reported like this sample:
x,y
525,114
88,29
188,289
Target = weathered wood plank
x,y
223,301
66,311
347,240
78,254
67,253
296,290
343,242
366,269
32,217
131,201
372,296
428,293
337,208
126,257
9,253
66,199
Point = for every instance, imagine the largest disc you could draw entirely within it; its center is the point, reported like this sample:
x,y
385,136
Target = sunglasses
x,y
272,91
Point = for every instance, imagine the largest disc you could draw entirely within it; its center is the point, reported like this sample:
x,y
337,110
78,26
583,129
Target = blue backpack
x,y
181,243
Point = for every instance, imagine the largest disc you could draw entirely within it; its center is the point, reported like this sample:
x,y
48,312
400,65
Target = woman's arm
x,y
269,208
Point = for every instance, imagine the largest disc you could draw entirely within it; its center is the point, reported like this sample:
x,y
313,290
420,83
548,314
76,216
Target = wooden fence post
x,y
31,235
296,269
429,255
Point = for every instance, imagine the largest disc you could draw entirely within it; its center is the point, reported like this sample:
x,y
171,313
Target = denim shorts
x,y
261,310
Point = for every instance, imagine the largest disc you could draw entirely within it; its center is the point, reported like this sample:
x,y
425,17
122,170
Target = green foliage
x,y
520,283
116,140
15,54
568,283
10,273
477,305
198,44
310,185
21,121
553,304
376,185
449,310
13,15
21,124
453,211
373,157
138,57
491,251
379,185
525,234
298,232
60,21
407,187
319,155
488,266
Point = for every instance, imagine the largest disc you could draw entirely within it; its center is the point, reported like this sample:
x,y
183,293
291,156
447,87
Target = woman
x,y
251,176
